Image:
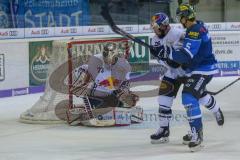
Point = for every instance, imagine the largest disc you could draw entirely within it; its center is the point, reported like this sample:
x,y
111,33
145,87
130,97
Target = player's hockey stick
x,y
219,91
106,15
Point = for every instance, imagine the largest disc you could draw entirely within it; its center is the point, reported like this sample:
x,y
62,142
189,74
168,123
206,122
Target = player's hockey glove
x,y
160,52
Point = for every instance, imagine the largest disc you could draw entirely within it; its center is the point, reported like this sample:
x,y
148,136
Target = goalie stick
x,y
219,91
106,15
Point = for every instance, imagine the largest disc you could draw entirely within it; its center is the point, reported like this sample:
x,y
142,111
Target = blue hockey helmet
x,y
160,24
160,19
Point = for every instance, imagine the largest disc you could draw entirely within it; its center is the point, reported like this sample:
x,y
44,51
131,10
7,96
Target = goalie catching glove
x,y
128,98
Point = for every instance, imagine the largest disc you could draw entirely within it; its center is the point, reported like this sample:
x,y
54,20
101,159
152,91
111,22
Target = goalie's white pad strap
x,y
88,107
98,123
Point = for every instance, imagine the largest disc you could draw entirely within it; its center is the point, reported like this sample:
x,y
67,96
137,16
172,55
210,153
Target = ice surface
x,y
62,142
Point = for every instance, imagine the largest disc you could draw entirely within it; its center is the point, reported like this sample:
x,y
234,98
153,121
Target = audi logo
x,y
73,30
44,31
101,29
216,26
13,33
129,28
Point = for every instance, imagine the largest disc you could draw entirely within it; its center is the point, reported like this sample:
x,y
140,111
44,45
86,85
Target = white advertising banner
x,y
11,33
2,67
226,45
14,64
216,26
94,30
233,26
145,28
176,25
39,32
68,31
128,28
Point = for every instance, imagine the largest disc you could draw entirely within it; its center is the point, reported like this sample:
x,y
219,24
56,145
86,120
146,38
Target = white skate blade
x,y
160,141
197,148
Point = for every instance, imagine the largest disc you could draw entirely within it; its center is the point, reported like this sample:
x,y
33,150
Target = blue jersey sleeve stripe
x,y
193,39
188,52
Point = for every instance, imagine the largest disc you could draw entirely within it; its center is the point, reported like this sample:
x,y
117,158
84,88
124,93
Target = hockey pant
x,y
168,90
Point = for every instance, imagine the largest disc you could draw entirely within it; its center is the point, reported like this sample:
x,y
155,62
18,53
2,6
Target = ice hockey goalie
x,y
102,96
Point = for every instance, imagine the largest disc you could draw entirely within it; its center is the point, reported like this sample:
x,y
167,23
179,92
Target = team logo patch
x,y
163,86
183,8
109,83
193,34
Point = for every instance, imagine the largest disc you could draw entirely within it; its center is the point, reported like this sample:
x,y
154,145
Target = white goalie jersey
x,y
103,97
106,78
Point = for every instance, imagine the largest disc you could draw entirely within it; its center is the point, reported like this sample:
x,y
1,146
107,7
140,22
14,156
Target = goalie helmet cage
x,y
63,58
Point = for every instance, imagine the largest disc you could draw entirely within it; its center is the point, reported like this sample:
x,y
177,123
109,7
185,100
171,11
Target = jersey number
x,y
188,46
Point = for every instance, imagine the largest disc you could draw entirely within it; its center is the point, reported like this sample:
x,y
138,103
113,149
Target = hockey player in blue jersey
x,y
197,60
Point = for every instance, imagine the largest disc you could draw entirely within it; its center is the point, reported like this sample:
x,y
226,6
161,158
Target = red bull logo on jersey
x,y
109,83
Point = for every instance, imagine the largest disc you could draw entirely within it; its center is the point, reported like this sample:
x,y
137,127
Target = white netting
x,y
44,110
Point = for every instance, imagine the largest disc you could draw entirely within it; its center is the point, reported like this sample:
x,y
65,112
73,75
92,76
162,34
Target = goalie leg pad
x,y
136,114
112,116
93,111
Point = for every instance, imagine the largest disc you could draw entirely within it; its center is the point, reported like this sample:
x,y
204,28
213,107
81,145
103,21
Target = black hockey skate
x,y
161,136
195,143
187,138
219,117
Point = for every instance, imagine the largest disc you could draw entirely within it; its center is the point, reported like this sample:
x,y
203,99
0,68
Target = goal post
x,y
66,56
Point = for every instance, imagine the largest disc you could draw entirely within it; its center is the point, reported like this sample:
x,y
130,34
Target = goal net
x,y
66,56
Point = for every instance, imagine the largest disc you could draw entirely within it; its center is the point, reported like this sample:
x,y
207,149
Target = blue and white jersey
x,y
196,55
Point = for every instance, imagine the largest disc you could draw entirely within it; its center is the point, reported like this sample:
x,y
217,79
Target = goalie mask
x,y
110,54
